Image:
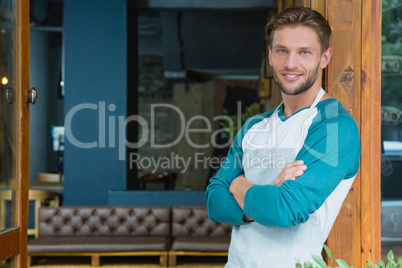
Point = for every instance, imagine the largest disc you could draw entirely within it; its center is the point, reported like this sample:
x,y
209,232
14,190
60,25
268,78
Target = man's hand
x,y
291,171
238,189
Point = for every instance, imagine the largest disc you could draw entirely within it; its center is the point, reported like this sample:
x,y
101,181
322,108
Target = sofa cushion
x,y
104,221
194,222
203,244
97,244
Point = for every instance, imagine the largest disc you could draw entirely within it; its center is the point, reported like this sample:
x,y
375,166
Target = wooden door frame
x,y
17,237
355,80
22,172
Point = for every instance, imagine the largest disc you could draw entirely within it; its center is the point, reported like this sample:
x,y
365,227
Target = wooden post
x,y
343,82
371,131
95,260
172,259
354,78
163,260
21,128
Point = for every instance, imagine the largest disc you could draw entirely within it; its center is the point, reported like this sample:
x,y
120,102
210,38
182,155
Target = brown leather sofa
x,y
102,231
194,234
128,231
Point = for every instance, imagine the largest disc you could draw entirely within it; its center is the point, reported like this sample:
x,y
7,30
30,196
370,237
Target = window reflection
x,y
191,89
391,127
6,31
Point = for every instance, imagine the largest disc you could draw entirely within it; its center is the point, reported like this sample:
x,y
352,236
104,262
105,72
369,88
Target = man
x,y
283,209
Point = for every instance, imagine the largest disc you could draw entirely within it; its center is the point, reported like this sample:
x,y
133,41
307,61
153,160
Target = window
x,y
391,124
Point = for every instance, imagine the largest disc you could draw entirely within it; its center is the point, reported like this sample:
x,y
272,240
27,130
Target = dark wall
x,y
39,130
95,77
223,40
45,67
204,39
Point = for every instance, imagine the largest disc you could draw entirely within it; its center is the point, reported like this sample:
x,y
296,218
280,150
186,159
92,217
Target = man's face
x,y
295,55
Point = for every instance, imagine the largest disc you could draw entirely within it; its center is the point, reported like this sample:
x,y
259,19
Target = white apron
x,y
256,246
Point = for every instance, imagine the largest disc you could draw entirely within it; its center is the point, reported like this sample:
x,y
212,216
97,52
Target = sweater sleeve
x,y
331,152
221,205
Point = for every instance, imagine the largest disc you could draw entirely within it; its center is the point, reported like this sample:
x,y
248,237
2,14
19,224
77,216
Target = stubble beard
x,y
303,87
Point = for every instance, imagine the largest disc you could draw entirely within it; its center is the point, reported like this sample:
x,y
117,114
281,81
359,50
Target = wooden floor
x,y
128,262
192,265
102,266
128,266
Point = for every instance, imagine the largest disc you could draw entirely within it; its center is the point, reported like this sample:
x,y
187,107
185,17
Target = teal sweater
x,y
331,151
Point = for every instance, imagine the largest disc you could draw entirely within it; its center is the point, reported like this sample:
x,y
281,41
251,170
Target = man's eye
x,y
282,51
305,52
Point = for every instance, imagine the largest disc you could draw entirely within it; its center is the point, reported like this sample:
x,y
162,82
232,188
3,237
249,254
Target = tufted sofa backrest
x,y
194,221
104,221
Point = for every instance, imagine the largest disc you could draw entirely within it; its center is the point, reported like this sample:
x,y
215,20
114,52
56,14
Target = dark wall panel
x,y
95,90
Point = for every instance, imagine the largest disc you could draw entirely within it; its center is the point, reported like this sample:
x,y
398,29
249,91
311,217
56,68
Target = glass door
x,y
14,130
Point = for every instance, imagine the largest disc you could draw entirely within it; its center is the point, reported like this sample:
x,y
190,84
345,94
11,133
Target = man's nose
x,y
291,61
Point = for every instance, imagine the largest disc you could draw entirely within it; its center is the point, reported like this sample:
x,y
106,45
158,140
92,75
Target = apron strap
x,y
299,132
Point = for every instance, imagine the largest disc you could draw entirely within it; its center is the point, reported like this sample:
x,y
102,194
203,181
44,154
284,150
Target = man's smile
x,y
291,76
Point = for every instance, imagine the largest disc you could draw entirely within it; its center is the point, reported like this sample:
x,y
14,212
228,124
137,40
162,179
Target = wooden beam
x,y
320,6
95,260
101,254
288,3
354,79
11,248
371,131
344,83
304,3
21,127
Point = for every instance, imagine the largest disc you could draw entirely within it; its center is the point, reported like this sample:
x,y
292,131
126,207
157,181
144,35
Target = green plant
x,y
391,263
320,263
232,127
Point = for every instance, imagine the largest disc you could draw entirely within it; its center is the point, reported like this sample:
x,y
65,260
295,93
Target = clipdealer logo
x,y
107,125
115,126
174,161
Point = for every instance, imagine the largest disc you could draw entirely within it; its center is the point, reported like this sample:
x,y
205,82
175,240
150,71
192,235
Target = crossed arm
x,y
289,202
240,185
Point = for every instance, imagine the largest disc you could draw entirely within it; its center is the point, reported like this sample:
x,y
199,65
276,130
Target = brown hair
x,y
300,16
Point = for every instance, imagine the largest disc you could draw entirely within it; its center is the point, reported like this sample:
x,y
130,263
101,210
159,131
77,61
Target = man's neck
x,y
293,103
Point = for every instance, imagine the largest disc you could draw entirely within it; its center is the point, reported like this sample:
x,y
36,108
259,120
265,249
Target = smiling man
x,y
289,169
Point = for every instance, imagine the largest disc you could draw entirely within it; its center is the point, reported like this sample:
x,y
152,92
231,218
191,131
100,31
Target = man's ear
x,y
326,58
269,55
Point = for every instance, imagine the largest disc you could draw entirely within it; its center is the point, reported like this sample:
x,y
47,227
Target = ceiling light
x,y
4,80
